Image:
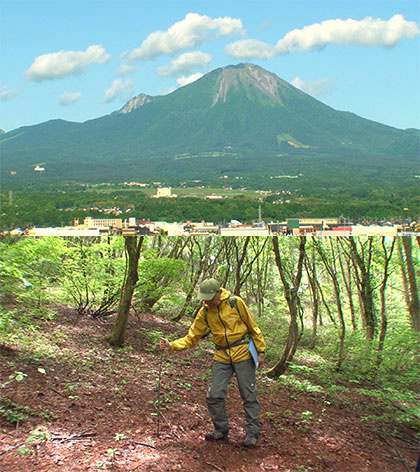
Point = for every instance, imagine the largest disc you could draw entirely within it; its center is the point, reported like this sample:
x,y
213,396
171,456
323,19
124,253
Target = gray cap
x,y
208,289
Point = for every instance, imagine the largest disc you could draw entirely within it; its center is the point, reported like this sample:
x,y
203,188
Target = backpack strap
x,y
232,302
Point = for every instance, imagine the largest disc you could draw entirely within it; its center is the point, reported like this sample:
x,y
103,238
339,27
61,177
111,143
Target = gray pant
x,y
245,374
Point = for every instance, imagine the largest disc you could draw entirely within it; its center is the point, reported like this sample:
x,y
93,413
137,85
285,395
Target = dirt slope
x,y
98,412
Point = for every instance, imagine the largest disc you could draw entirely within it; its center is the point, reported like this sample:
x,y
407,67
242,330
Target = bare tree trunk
x,y
414,305
362,264
311,273
346,273
133,247
404,276
292,298
384,320
330,265
200,265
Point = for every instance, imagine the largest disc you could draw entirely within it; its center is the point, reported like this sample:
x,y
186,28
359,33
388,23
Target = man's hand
x,y
164,344
260,360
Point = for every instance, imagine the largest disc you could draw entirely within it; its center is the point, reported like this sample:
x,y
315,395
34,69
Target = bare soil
x,y
99,410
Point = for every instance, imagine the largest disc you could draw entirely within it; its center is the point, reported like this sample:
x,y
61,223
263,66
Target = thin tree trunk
x,y
291,295
332,271
403,272
362,264
133,248
311,273
384,320
414,305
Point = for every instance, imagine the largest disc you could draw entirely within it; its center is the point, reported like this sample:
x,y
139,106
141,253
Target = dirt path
x,y
97,411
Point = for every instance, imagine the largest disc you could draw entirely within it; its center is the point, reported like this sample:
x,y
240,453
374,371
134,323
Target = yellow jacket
x,y
227,326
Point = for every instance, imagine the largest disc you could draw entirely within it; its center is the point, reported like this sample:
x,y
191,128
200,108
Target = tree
x,y
384,321
291,283
414,301
133,247
203,258
310,267
362,253
330,261
92,273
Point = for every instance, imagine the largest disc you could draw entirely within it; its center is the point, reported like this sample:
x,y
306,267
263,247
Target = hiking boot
x,y
250,441
216,436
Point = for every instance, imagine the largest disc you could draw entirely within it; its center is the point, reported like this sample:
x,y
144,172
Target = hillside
x,y
97,411
238,119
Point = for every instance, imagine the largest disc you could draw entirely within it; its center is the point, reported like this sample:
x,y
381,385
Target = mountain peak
x,y
135,102
248,76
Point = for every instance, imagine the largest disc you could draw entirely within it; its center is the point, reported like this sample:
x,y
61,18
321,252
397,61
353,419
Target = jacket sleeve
x,y
253,328
197,330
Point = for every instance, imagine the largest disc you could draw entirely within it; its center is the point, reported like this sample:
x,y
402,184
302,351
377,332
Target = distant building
x,y
244,231
164,192
102,222
374,230
69,232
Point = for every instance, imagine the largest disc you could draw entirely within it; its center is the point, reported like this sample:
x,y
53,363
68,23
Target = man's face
x,y
215,300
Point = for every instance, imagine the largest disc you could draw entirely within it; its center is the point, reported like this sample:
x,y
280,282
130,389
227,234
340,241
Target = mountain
x,y
238,119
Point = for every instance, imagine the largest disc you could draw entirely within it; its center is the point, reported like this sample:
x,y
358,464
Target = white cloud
x,y
126,69
185,63
7,93
61,64
181,81
250,48
315,88
67,98
368,32
119,89
190,32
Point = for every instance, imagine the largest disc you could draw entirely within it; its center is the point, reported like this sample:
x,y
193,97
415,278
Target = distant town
x,y
117,221
95,227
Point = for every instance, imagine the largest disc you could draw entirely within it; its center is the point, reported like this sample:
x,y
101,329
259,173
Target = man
x,y
230,322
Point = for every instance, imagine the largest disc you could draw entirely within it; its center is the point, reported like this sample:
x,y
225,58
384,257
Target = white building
x,y
164,192
63,232
245,231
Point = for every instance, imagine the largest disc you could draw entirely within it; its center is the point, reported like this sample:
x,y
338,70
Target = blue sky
x,y
78,60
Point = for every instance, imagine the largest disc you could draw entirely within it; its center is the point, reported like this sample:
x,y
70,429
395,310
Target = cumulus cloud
x,y
61,64
119,89
126,69
181,81
368,32
185,63
250,48
7,93
67,98
190,32
317,88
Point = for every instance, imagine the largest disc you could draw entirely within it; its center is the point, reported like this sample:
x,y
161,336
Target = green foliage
x,y
92,275
14,322
29,267
12,412
157,276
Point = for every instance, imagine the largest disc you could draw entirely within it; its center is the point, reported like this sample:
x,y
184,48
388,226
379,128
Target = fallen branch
x,y
74,437
56,391
11,448
167,422
402,460
143,444
215,466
